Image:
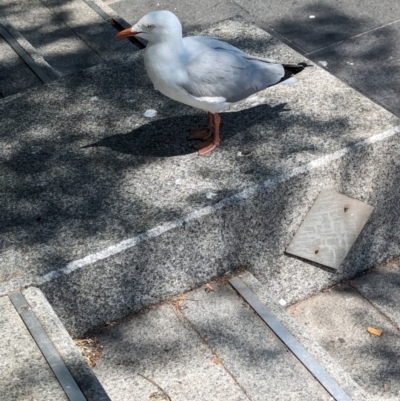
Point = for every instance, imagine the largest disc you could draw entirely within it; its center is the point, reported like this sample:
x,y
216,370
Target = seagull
x,y
202,71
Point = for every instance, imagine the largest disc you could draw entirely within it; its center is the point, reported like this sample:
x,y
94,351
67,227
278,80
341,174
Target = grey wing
x,y
220,70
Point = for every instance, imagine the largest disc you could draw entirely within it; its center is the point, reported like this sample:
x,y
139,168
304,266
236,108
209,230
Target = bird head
x,y
155,27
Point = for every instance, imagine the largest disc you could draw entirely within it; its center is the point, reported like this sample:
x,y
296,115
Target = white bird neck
x,y
166,51
174,39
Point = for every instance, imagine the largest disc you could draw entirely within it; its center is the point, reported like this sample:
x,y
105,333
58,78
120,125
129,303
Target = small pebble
x,y
282,302
94,99
178,182
150,113
312,16
210,195
323,63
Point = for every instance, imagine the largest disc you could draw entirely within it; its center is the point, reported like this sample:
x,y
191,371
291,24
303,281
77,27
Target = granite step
x,y
57,37
109,210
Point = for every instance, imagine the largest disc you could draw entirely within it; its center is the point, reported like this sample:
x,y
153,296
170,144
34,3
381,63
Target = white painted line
x,y
230,200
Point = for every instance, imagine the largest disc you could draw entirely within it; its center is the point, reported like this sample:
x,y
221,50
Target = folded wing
x,y
215,69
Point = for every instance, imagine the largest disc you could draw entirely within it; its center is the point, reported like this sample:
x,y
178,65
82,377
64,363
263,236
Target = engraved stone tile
x,y
330,229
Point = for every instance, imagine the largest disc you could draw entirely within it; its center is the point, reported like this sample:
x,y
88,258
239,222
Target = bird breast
x,y
163,69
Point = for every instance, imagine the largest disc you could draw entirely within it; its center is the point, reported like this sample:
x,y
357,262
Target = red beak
x,y
126,33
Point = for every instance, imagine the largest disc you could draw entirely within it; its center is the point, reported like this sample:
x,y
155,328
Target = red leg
x,y
208,146
202,133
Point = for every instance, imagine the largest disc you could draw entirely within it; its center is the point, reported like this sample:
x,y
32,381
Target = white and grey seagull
x,y
203,72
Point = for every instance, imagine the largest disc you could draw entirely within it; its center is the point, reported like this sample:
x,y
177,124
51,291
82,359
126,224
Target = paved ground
x,y
99,211
370,300
91,185
207,345
66,36
25,373
358,40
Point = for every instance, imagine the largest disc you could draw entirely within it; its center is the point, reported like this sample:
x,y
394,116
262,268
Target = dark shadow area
x,y
370,63
69,35
168,137
378,181
329,25
15,75
328,269
315,24
355,51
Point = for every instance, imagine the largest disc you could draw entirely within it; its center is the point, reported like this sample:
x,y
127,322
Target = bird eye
x,y
151,26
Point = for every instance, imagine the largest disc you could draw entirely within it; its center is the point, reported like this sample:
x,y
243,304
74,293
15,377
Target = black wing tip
x,y
305,65
293,69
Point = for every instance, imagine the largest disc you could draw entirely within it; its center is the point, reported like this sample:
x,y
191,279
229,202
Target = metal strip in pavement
x,y
57,365
287,338
24,55
112,22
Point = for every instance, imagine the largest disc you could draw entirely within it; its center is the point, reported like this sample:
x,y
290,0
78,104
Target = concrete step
x,y
38,359
58,37
110,211
338,319
208,344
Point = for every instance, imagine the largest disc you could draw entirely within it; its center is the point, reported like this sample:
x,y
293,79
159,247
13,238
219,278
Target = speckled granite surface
x,y
84,170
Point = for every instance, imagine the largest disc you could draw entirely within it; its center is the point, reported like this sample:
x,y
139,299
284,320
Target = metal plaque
x,y
330,229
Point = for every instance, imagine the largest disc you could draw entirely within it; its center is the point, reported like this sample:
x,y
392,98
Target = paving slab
x,y
192,16
162,347
381,287
65,346
205,346
90,27
372,361
58,44
33,53
15,75
334,20
110,211
25,373
260,363
371,62
300,333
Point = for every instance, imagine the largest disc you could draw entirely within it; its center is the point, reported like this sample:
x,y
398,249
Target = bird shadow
x,y
168,137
